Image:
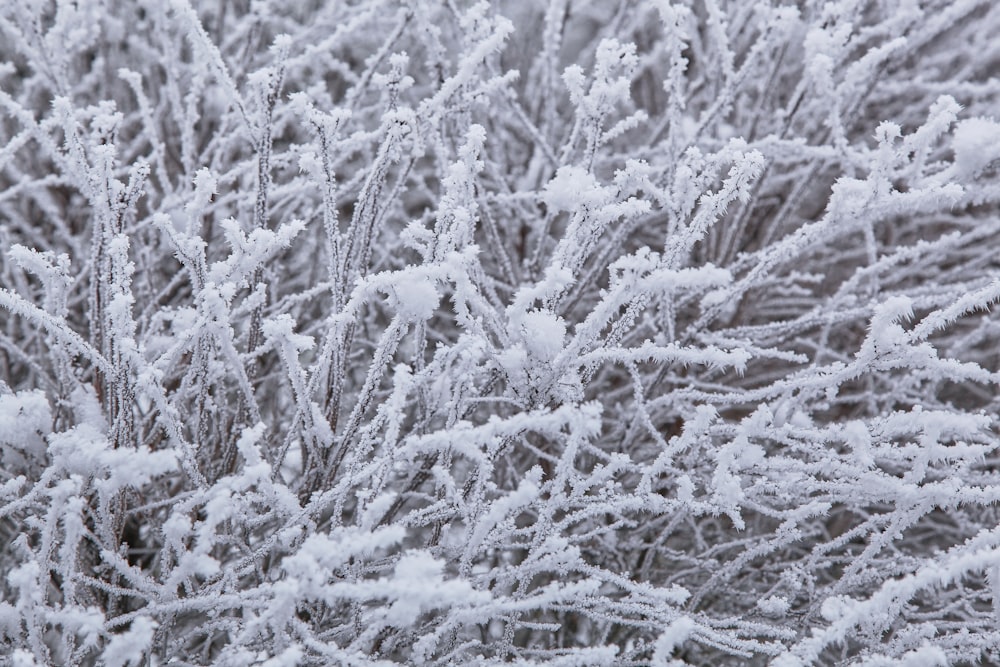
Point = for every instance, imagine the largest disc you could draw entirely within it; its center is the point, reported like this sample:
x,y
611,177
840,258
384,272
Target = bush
x,y
608,333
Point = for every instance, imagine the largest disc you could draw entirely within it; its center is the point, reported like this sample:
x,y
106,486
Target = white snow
x,y
976,144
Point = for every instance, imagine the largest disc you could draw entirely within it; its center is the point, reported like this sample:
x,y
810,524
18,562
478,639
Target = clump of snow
x,y
290,657
544,334
976,144
420,586
571,187
25,420
774,606
415,299
835,607
130,647
85,451
23,658
925,656
87,408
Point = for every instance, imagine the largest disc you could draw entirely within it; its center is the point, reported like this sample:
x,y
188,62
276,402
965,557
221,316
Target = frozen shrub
x,y
444,332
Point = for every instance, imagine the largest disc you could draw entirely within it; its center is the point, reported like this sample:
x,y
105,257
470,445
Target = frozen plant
x,y
455,332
